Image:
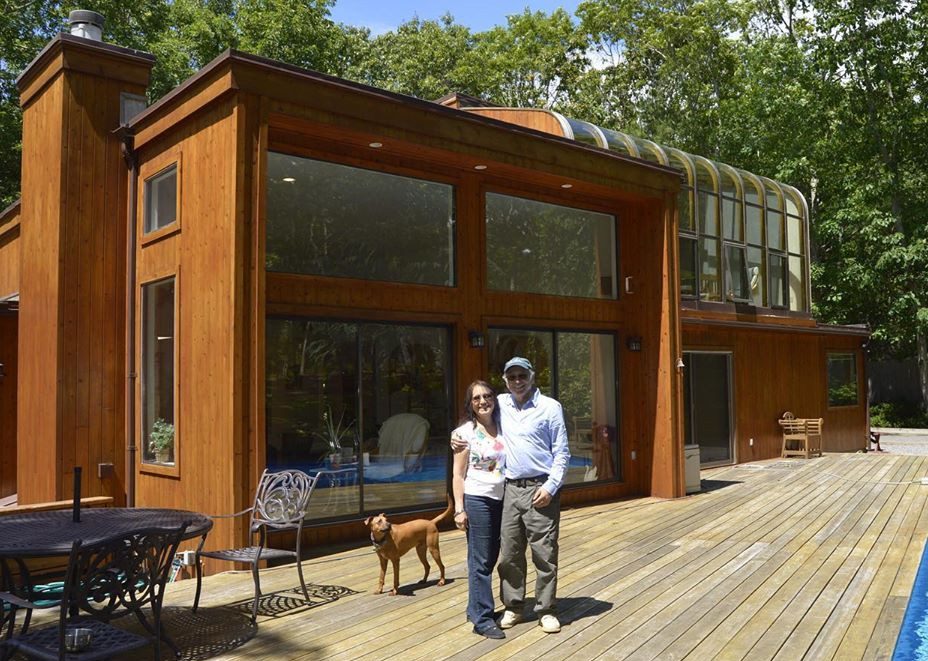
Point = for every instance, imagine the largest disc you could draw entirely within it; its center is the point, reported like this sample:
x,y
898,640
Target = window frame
x,y
495,379
490,188
412,171
154,467
148,172
842,353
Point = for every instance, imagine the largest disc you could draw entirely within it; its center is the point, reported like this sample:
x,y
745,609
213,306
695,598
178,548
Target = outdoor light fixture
x,y
633,342
289,180
480,167
567,185
375,145
476,339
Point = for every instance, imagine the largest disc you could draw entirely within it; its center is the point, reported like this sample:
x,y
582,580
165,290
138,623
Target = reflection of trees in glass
x,y
574,374
545,248
313,372
334,220
842,380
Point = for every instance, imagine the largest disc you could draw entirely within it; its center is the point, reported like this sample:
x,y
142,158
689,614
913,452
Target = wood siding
x,y
10,250
72,319
8,380
781,370
204,255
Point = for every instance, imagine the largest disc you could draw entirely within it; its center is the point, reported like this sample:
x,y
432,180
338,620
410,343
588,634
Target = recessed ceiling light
x,y
289,180
375,145
480,167
567,185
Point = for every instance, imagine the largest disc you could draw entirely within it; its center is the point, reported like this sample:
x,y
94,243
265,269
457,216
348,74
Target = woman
x,y
478,500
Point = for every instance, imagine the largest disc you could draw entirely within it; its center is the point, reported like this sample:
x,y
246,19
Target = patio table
x,y
52,533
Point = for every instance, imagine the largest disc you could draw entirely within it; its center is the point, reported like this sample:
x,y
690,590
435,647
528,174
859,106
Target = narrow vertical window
x,y
161,199
158,342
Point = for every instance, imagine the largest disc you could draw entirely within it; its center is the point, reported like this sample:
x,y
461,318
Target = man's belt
x,y
527,481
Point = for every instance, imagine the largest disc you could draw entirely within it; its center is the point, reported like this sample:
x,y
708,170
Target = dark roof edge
x,y
836,329
10,209
232,56
64,37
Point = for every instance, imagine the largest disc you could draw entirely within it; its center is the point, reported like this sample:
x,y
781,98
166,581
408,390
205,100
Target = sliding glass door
x,y
368,404
707,393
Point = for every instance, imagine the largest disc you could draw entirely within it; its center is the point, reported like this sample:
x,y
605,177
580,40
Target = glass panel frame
x,y
580,370
843,386
368,404
552,249
158,382
331,219
161,206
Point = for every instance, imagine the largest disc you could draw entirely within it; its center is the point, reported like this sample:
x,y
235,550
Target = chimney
x,y
73,238
86,24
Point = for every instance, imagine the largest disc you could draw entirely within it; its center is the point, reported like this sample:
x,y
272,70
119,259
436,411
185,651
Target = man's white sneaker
x,y
509,619
548,623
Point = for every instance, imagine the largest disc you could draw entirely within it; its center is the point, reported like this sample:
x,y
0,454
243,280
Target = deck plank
x,y
783,559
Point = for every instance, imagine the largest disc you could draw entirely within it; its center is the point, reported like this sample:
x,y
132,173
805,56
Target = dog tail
x,y
444,515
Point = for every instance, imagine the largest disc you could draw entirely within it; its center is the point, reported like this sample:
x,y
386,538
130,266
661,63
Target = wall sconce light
x,y
476,339
680,364
633,342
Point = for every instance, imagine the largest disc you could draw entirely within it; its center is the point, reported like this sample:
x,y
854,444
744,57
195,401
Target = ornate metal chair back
x,y
282,499
121,574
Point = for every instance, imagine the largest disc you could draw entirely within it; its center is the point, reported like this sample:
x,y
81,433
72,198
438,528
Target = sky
x,y
479,15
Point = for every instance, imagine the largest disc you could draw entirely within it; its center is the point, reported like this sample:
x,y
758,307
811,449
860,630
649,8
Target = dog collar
x,y
378,545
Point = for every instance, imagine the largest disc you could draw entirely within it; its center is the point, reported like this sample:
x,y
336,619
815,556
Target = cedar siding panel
x,y
775,371
202,256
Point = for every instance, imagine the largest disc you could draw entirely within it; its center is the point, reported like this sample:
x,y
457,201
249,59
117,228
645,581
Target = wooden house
x,y
272,267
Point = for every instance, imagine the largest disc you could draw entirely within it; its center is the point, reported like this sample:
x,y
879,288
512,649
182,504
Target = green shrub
x,y
898,414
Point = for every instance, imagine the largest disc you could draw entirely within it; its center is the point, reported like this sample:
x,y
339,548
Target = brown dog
x,y
391,541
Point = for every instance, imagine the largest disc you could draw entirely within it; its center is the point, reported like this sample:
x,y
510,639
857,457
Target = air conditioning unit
x,y
691,468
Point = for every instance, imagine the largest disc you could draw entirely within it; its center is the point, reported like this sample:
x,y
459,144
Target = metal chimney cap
x,y
86,16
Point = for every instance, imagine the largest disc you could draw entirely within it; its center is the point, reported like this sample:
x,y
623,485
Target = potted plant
x,y
334,433
161,440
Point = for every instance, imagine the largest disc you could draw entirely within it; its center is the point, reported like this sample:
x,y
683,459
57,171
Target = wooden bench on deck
x,y
802,437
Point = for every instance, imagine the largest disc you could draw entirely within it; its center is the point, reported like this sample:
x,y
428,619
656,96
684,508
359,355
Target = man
x,y
536,461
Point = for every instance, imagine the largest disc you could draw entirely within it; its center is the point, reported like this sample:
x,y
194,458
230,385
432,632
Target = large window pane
x,y
842,379
732,228
797,284
708,213
757,275
161,199
577,369
794,235
775,230
335,220
158,372
779,289
737,284
687,266
709,285
368,404
754,222
685,209
549,249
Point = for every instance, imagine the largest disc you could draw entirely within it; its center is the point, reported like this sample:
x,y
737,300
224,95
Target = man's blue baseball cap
x,y
518,361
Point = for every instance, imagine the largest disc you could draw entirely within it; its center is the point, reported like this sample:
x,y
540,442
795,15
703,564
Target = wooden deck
x,y
782,559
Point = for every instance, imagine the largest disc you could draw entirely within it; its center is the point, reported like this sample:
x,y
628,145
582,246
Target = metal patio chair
x,y
104,581
281,503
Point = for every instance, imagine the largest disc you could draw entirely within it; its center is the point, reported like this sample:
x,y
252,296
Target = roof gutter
x,y
127,137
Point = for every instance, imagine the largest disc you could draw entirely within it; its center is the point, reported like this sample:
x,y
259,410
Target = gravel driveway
x,y
904,441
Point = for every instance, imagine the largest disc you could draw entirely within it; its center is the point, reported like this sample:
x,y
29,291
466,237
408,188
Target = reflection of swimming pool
x,y
433,467
912,643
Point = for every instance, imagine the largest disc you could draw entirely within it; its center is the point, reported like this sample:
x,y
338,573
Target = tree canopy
x,y
826,95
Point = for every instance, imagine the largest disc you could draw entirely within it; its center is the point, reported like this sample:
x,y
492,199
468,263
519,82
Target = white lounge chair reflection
x,y
400,446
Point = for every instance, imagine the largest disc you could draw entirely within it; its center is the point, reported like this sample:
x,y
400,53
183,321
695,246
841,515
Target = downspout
x,y
128,153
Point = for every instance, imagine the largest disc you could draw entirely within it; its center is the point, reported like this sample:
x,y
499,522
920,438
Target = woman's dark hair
x,y
469,414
